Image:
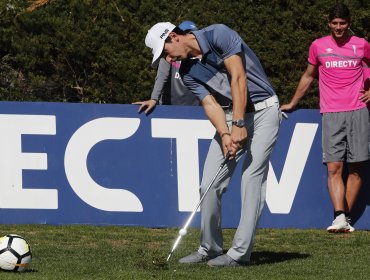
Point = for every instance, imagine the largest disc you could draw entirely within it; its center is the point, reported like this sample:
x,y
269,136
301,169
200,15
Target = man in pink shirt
x,y
339,59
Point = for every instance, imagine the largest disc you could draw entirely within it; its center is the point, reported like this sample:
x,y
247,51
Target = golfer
x,y
226,76
339,60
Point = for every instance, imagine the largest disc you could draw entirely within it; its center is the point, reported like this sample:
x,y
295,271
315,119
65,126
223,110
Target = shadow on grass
x,y
158,260
30,270
266,257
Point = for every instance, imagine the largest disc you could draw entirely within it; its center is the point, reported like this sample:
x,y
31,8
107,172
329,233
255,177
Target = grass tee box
x,y
113,252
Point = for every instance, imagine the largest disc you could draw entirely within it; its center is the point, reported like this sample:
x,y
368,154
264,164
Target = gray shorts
x,y
345,136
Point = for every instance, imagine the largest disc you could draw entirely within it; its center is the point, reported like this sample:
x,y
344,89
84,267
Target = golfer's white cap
x,y
156,37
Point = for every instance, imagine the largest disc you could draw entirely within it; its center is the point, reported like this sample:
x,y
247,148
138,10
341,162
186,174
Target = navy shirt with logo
x,y
169,88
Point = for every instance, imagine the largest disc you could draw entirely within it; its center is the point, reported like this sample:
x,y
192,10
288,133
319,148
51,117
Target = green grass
x,y
112,252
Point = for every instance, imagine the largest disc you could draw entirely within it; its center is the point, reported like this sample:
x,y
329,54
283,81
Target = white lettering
x,y
13,161
280,195
187,133
340,64
78,148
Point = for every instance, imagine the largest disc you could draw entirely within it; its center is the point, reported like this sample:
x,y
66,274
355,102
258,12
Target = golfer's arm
x,y
238,84
215,114
304,84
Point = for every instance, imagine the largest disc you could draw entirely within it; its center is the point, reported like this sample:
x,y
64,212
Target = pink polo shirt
x,y
341,73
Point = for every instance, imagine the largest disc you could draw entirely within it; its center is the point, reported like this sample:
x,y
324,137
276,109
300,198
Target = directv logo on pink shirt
x,y
341,64
341,72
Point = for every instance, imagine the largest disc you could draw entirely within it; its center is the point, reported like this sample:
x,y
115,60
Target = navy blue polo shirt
x,y
208,75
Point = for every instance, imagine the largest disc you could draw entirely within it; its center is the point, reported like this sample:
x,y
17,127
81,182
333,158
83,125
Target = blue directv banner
x,y
65,163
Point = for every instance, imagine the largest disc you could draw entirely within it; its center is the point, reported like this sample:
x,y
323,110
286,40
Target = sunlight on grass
x,y
113,252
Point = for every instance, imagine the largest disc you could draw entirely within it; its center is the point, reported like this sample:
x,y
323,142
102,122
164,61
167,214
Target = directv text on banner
x,y
107,164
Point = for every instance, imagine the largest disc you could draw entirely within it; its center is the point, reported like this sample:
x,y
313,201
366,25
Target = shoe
x,y
195,257
351,228
339,225
225,261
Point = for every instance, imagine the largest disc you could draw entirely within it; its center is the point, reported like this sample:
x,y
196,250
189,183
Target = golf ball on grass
x,y
183,232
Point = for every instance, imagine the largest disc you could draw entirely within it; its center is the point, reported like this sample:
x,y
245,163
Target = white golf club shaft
x,y
197,206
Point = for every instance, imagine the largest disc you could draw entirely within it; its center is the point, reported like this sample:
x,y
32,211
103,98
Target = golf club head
x,y
174,247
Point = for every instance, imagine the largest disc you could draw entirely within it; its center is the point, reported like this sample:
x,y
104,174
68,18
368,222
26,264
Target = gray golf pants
x,y
263,127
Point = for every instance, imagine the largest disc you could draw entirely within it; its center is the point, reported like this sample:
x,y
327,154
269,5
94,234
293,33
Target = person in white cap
x,y
226,76
168,87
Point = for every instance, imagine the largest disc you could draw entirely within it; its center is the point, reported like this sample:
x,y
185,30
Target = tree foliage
x,y
93,50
